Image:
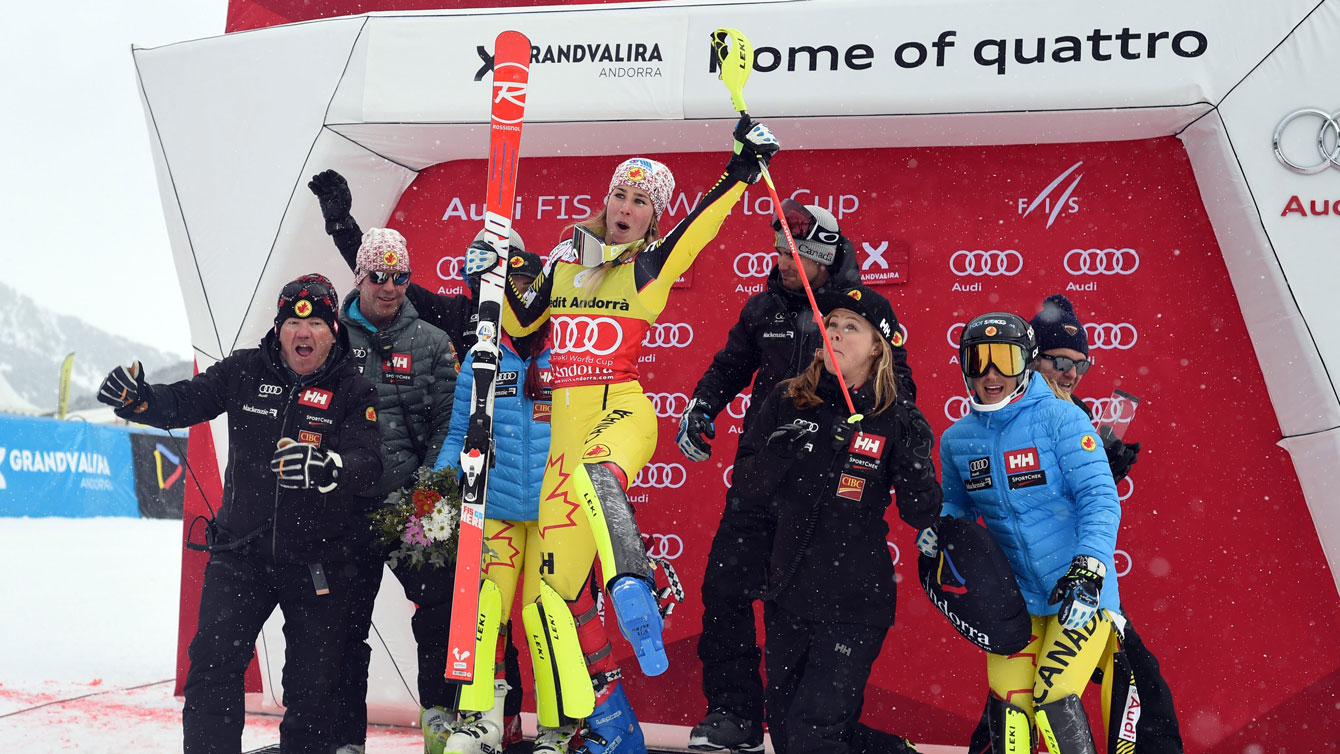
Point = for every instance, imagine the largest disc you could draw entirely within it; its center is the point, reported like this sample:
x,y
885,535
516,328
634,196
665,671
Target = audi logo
x,y
661,476
1114,410
956,407
955,332
668,335
1327,130
453,267
1108,335
663,546
754,265
992,262
270,389
1122,562
668,405
1130,488
727,475
600,336
739,406
1101,261
896,554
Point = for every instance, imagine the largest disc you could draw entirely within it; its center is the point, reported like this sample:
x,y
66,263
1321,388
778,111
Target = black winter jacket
x,y
830,560
410,363
264,400
776,337
454,315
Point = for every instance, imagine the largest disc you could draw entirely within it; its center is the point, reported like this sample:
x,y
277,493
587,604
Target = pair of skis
x,y
511,76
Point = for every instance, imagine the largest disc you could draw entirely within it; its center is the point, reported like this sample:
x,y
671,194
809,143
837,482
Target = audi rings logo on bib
x,y
1120,336
598,336
668,405
1326,139
1101,261
663,546
754,264
956,407
449,268
661,476
669,335
992,262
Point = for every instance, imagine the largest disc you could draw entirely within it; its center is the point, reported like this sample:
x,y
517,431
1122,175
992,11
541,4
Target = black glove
x,y
793,439
332,191
1078,591
124,387
302,466
1121,456
695,429
754,144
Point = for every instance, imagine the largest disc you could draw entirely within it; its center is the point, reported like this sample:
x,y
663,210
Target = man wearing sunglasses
x,y
410,362
1063,357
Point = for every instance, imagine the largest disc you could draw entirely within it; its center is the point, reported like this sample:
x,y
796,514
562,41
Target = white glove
x,y
302,466
928,542
480,258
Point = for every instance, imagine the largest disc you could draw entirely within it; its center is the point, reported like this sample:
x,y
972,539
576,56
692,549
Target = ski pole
x,y
735,58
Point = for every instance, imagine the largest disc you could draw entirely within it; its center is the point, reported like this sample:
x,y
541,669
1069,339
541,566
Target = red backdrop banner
x,y
1214,523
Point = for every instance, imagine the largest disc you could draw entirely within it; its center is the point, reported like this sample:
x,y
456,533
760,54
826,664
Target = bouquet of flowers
x,y
419,522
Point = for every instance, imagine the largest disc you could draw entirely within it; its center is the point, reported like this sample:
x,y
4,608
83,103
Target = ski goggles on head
x,y
1007,358
803,224
379,277
1064,364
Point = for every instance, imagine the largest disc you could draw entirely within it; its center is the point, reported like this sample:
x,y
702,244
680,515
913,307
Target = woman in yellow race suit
x,y
601,292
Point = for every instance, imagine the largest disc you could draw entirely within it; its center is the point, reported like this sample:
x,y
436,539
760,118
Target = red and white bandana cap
x,y
382,250
648,175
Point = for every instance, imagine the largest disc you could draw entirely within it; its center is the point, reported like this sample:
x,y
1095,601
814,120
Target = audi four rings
x,y
661,476
956,407
669,335
668,404
1327,130
1108,335
1101,261
600,336
663,546
754,264
954,333
738,411
453,265
992,262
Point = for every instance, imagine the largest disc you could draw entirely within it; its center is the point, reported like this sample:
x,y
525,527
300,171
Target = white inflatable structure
x,y
239,122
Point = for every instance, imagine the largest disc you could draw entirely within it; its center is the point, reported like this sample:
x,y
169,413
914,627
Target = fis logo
x,y
316,398
1025,459
870,446
1053,205
850,487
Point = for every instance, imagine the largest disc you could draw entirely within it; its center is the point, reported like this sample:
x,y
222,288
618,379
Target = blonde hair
x,y
1060,393
802,388
597,223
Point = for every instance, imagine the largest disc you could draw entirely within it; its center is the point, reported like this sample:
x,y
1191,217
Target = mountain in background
x,y
34,342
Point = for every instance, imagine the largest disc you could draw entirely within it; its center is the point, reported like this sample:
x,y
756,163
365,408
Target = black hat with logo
x,y
971,583
311,295
1056,326
873,307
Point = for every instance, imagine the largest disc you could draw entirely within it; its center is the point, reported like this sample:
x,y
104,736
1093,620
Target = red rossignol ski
x,y
511,75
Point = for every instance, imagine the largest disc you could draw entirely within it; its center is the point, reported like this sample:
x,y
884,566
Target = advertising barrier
x,y
50,467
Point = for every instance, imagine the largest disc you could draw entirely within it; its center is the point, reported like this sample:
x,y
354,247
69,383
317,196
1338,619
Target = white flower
x,y
440,525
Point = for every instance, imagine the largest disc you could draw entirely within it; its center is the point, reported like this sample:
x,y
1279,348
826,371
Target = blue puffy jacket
x,y
521,437
1036,473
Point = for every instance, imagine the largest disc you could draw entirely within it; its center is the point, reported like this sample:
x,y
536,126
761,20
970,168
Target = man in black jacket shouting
x,y
302,440
774,339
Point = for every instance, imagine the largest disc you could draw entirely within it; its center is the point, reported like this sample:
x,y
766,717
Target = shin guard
x,y
1065,727
477,696
562,684
1011,731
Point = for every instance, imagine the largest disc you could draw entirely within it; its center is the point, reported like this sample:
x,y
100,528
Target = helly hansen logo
x,y
1025,459
867,445
850,487
842,648
399,362
316,398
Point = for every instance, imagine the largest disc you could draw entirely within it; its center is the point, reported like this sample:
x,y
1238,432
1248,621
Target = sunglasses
x,y
1007,358
1064,364
380,277
802,224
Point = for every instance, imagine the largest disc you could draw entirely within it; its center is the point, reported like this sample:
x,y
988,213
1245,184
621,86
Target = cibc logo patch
x,y
850,487
311,438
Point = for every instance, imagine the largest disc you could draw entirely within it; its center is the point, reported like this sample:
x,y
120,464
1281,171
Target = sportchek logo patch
x,y
1024,459
1028,479
316,398
312,438
850,487
870,446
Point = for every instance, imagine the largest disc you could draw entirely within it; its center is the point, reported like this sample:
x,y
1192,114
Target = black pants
x,y
817,674
239,594
1157,731
430,589
736,574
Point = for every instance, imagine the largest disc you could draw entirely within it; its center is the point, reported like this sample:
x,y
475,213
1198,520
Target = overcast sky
x,y
80,218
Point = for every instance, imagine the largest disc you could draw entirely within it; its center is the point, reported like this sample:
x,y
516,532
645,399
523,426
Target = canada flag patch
x,y
316,398
850,487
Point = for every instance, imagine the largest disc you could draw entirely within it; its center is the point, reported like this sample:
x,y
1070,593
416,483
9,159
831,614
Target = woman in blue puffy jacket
x,y
511,532
1032,467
